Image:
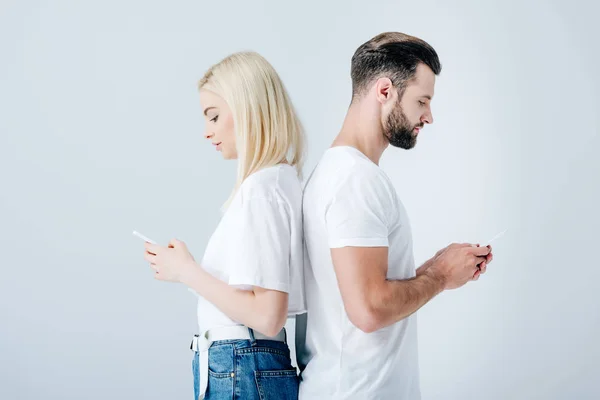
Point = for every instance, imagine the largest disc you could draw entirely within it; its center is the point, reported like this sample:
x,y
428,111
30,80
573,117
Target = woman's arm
x,y
261,309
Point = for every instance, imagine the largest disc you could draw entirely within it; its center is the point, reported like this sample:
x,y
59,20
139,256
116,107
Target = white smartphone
x,y
496,237
144,238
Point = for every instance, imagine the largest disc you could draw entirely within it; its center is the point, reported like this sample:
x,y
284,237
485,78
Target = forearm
x,y
398,299
242,306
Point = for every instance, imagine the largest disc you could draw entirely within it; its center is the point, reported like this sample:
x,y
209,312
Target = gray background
x,y
101,133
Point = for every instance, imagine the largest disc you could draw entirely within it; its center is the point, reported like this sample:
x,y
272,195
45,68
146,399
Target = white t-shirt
x,y
258,242
350,201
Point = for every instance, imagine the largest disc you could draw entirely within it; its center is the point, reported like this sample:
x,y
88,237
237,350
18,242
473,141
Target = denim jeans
x,y
250,370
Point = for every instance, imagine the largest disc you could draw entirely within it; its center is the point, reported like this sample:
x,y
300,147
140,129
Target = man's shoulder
x,y
339,167
355,183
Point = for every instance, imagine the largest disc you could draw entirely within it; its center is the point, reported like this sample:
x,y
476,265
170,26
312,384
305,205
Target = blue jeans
x,y
250,370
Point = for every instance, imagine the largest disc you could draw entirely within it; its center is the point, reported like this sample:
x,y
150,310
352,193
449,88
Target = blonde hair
x,y
267,129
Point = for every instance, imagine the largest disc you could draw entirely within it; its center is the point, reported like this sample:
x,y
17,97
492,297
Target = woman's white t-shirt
x,y
258,242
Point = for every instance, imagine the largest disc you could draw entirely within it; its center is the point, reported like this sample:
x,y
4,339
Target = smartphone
x,y
496,237
144,238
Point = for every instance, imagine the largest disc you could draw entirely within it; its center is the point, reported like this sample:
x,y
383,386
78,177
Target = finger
x,y
478,251
489,258
476,275
151,258
483,267
152,248
173,243
476,261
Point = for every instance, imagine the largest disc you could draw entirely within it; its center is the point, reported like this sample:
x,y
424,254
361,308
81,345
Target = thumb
x,y
479,251
174,244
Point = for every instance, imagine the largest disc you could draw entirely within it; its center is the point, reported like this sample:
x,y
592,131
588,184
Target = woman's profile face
x,y
219,127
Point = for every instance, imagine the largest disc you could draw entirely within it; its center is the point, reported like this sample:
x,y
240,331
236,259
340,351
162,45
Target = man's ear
x,y
384,90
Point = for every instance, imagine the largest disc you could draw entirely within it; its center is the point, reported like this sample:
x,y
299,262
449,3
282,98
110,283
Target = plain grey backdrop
x,y
101,133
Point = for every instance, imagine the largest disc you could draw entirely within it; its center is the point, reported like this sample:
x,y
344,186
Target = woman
x,y
250,278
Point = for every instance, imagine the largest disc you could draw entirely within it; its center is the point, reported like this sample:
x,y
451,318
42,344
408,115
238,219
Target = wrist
x,y
189,273
421,270
439,279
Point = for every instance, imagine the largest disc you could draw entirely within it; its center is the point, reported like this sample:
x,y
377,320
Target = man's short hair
x,y
393,55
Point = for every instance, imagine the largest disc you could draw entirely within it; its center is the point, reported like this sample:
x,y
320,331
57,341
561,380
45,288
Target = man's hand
x,y
457,264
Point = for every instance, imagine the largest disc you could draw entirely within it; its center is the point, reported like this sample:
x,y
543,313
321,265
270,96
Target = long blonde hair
x,y
267,129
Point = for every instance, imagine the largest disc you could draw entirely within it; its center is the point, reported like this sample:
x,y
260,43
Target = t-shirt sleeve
x,y
359,214
261,245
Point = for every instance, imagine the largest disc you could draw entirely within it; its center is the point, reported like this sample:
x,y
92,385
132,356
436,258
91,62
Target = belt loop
x,y
194,344
252,338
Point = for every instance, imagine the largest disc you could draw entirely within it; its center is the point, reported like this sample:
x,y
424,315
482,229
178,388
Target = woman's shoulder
x,y
279,182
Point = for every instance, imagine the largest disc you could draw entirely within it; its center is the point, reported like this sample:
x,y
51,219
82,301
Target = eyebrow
x,y
428,97
207,109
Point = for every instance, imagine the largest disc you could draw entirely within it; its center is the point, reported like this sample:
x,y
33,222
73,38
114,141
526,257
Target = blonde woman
x,y
250,278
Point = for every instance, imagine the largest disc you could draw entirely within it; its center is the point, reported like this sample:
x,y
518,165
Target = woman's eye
x,y
215,118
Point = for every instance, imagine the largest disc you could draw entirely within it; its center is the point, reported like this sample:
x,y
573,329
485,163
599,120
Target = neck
x,y
362,130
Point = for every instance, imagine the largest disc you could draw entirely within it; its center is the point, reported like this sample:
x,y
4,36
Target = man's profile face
x,y
412,111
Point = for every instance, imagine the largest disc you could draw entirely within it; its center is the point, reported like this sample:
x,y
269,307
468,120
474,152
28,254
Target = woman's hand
x,y
173,263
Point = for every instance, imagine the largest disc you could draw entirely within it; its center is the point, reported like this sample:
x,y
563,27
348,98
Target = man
x,y
362,289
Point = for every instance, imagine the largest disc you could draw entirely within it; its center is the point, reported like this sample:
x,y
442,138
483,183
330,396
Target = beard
x,y
399,131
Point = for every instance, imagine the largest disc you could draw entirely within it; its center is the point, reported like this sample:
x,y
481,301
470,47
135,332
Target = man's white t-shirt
x,y
258,242
350,201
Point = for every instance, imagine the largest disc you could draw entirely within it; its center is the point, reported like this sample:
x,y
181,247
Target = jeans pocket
x,y
220,386
277,385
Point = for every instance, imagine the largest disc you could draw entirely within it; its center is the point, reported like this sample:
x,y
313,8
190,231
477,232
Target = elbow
x,y
272,329
271,325
269,312
365,318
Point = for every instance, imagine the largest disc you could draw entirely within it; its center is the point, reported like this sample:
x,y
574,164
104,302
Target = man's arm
x,y
373,302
